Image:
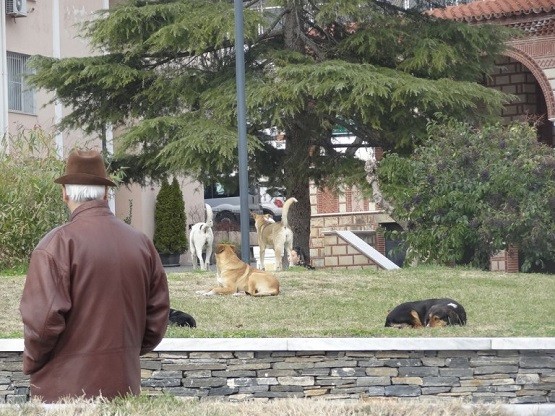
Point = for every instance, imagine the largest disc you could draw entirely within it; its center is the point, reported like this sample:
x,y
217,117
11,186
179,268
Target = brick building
x,y
527,68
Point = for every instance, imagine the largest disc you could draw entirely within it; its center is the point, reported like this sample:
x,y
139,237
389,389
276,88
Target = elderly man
x,y
95,297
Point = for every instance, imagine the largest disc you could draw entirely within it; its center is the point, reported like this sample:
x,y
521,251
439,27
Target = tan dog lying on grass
x,y
235,277
274,234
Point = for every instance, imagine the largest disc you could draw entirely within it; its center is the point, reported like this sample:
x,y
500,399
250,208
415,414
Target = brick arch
x,y
538,73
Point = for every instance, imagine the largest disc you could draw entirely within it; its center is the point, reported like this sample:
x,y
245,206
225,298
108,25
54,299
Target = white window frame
x,y
21,97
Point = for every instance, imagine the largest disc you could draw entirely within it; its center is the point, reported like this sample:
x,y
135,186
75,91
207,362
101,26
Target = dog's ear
x,y
453,317
416,322
268,218
435,321
220,248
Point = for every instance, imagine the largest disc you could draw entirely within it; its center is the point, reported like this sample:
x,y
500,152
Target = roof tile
x,y
492,9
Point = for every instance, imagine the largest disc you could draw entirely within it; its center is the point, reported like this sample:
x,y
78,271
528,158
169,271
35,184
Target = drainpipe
x,y
3,77
108,133
57,53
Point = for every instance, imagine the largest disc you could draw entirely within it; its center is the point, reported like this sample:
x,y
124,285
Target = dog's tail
x,y
209,216
285,211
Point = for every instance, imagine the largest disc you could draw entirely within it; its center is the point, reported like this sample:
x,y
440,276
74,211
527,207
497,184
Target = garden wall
x,y
322,243
509,370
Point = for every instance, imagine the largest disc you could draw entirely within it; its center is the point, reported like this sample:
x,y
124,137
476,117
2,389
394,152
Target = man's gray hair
x,y
82,193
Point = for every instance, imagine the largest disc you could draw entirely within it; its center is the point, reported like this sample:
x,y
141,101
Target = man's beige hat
x,y
85,167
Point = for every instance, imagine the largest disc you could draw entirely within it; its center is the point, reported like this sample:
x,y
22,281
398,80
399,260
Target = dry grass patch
x,y
325,303
171,406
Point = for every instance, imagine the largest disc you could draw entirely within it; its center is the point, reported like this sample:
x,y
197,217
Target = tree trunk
x,y
296,165
299,217
292,27
298,132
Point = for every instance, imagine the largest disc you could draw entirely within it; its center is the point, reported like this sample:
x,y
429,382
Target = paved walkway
x,y
187,268
546,409
180,269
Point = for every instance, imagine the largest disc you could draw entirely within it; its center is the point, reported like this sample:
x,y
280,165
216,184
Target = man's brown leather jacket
x,y
95,298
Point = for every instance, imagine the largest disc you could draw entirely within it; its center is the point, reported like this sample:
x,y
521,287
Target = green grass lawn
x,y
326,303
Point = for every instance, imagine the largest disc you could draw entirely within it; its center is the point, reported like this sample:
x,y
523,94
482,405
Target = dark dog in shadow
x,y
180,318
428,312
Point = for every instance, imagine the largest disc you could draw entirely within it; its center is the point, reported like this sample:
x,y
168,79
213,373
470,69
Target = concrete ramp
x,y
367,250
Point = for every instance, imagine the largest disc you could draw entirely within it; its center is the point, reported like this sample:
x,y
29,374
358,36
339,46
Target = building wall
x,y
506,370
330,251
347,210
143,201
505,261
537,52
50,29
512,77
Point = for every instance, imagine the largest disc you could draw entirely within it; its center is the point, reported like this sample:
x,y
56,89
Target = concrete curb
x,y
334,344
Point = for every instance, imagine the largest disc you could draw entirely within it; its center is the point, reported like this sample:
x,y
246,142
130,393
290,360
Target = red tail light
x,y
278,203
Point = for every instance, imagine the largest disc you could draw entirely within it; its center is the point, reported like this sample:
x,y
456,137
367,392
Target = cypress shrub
x,y
170,220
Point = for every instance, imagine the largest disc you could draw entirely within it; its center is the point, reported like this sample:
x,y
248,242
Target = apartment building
x,y
49,28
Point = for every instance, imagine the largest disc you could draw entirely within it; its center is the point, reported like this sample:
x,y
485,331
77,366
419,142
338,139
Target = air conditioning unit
x,y
16,8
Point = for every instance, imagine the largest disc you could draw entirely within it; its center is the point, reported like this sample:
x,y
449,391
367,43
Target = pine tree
x,y
167,70
170,220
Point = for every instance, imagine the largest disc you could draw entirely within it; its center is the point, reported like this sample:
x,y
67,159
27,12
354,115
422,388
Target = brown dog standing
x,y
275,234
235,276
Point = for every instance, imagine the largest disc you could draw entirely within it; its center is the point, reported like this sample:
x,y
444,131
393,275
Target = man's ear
x,y
105,192
64,194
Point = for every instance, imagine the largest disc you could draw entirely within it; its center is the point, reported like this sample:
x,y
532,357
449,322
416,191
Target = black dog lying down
x,y
180,318
428,312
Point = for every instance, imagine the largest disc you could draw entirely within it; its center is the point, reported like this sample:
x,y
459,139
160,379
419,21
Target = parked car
x,y
271,203
225,201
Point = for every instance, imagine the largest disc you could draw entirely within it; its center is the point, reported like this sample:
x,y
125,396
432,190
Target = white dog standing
x,y
202,238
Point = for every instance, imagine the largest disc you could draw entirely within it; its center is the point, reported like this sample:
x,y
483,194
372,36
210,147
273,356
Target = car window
x,y
219,190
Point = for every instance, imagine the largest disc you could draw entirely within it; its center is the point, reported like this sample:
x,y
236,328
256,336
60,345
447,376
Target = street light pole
x,y
242,131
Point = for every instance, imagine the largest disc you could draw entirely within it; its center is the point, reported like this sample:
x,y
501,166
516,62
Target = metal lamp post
x,y
242,131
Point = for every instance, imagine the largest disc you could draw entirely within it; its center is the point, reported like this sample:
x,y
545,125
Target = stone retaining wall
x,y
508,370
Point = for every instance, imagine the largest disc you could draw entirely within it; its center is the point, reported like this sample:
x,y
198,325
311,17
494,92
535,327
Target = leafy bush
x,y
30,201
468,193
170,220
